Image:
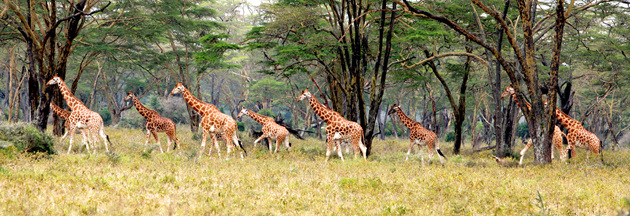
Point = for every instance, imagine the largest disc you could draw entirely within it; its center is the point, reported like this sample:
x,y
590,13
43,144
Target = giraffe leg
x,y
278,141
421,152
172,138
329,145
71,137
203,142
168,143
409,151
338,143
148,137
259,139
104,137
64,135
269,144
363,149
94,132
287,143
155,135
216,144
238,144
529,145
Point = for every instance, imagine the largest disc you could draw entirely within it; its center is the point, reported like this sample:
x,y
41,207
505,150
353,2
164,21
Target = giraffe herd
x,y
338,130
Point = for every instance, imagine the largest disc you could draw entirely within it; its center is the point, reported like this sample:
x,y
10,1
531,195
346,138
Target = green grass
x,y
140,180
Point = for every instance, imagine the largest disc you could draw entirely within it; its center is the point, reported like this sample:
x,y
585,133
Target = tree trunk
x,y
505,148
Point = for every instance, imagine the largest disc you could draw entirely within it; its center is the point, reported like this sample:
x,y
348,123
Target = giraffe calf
x,y
155,123
271,130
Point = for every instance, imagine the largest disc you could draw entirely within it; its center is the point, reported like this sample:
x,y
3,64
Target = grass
x,y
138,180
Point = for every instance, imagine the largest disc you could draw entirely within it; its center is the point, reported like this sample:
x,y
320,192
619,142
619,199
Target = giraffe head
x,y
130,96
54,81
508,91
243,112
393,110
179,88
305,95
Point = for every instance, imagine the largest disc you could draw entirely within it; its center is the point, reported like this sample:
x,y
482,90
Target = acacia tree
x,y
49,29
540,121
334,37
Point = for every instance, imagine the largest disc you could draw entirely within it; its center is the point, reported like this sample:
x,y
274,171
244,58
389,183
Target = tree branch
x,y
478,58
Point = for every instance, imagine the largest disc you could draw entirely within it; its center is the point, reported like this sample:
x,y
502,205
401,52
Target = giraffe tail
x,y
569,152
437,149
240,144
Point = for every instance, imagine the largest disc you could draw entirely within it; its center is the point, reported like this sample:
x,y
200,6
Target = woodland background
x,y
361,56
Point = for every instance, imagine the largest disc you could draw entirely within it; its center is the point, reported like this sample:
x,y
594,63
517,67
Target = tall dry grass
x,y
138,180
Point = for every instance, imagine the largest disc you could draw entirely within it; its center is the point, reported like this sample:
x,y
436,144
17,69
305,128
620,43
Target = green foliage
x,y
26,138
241,126
266,112
522,130
154,103
132,119
450,136
106,115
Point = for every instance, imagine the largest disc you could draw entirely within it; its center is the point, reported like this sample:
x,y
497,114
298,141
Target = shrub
x,y
132,119
174,108
522,130
450,136
106,115
26,138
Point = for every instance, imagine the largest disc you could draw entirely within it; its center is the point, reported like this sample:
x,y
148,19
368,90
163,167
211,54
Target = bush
x,y
522,130
174,108
106,115
132,119
450,136
26,138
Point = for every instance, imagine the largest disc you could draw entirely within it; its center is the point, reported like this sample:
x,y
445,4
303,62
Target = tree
x,y
39,27
541,121
333,37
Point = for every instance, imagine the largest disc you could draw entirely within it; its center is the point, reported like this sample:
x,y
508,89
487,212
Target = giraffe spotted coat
x,y
271,130
339,129
155,124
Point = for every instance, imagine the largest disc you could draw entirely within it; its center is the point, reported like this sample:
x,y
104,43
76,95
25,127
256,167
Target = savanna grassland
x,y
138,180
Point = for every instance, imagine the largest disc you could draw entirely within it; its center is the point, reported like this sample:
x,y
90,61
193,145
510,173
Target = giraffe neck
x,y
324,113
73,102
567,121
145,112
529,107
406,120
64,114
201,107
258,117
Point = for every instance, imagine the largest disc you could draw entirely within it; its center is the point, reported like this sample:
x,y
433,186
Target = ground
x,y
137,180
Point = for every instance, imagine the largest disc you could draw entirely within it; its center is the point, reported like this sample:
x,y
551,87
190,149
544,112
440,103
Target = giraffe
x,y
557,132
81,117
579,137
418,135
271,130
339,129
64,114
213,122
155,123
